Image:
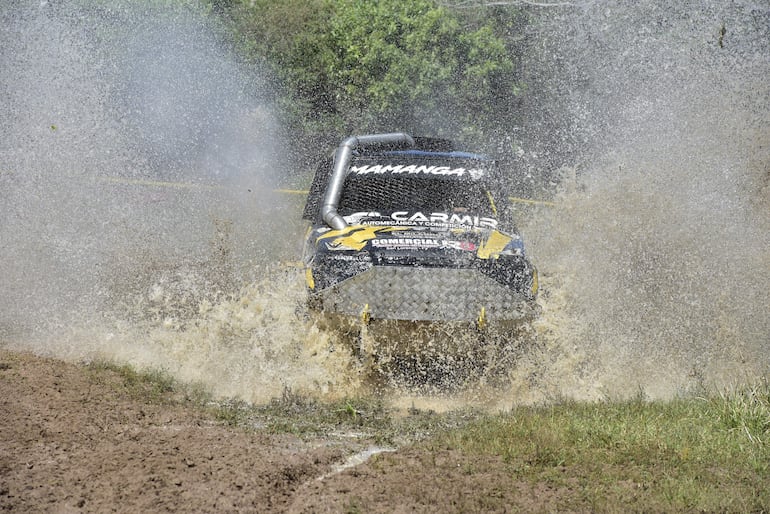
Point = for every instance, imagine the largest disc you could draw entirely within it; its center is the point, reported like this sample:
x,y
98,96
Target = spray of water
x,y
650,121
138,224
657,254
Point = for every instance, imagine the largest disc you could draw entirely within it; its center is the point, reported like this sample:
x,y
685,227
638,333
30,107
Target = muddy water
x,y
659,242
139,222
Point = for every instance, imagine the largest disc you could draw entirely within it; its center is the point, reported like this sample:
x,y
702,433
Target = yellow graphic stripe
x,y
492,203
355,237
528,201
338,233
492,247
309,278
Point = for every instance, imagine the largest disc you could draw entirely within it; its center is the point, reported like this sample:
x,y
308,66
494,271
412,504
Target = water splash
x,y
659,240
138,223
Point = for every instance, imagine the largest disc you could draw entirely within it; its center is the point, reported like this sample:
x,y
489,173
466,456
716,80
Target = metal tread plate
x,y
424,294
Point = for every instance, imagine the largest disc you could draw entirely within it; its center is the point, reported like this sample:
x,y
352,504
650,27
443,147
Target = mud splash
x,y
658,245
138,222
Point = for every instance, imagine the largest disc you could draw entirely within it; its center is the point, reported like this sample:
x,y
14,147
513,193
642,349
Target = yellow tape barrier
x,y
513,199
157,183
531,202
191,185
291,191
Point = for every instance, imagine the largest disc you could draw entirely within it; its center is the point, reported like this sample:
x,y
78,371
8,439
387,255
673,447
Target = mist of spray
x,y
88,111
656,257
138,218
137,161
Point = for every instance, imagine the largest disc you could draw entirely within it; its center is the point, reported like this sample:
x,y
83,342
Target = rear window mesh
x,y
389,193
403,193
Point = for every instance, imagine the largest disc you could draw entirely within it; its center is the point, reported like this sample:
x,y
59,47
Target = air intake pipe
x,y
342,159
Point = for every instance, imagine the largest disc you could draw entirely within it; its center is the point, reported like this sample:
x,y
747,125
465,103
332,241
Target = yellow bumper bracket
x,y
481,322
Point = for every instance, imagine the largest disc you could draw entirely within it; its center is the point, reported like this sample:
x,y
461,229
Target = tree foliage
x,y
354,65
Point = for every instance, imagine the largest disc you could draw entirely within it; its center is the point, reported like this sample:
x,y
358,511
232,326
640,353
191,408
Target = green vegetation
x,y
337,67
155,386
368,417
709,453
346,66
696,454
291,413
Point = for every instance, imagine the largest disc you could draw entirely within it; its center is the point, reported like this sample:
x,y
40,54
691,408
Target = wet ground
x,y
72,439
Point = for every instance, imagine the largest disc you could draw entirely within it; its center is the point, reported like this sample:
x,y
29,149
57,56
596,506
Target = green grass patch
x,y
301,415
155,386
363,417
696,454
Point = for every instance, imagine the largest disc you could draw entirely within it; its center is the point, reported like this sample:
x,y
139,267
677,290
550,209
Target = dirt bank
x,y
72,439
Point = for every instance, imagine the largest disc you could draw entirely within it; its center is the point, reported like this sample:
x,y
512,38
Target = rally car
x,y
408,228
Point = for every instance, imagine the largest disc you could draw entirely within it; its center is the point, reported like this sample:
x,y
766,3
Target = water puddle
x,y
356,460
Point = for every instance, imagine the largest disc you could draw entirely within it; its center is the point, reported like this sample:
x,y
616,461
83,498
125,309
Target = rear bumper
x,y
425,294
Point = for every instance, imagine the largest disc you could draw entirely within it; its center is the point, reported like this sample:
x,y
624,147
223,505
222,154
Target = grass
x,y
366,417
709,453
155,386
695,454
290,413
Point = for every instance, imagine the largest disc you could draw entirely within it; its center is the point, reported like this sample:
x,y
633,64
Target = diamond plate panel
x,y
413,293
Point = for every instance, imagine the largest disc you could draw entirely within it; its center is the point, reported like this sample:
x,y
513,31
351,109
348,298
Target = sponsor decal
x,y
357,218
421,242
415,169
352,238
433,219
493,246
353,258
443,218
338,245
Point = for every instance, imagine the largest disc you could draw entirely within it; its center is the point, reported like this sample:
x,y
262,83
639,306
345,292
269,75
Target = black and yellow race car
x,y
408,229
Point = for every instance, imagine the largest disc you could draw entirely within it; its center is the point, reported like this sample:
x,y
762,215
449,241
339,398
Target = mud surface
x,y
72,439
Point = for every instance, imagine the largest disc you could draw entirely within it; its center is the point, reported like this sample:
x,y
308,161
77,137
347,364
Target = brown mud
x,y
72,439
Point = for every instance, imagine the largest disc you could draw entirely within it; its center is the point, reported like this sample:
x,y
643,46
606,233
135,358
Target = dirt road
x,y
73,440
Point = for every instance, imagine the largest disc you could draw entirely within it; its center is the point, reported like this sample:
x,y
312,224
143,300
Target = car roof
x,y
455,154
430,152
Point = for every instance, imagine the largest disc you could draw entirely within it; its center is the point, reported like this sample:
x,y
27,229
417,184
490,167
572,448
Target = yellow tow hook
x,y
365,315
481,321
